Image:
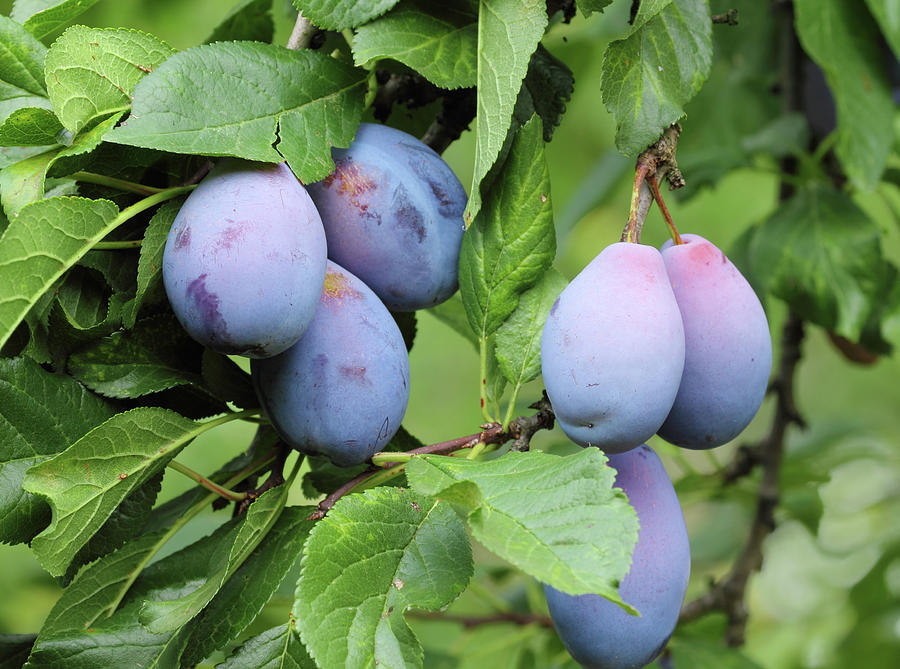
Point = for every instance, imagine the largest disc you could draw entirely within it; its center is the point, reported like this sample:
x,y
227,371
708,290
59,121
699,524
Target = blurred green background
x,y
829,589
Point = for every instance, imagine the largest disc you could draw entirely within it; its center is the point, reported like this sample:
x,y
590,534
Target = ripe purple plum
x,y
598,633
342,390
728,348
392,212
244,261
612,350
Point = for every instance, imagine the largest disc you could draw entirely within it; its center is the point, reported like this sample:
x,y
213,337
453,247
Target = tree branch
x,y
729,18
727,594
521,430
457,113
302,33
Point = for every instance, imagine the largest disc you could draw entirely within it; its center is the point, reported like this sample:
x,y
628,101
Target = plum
x,y
598,633
392,212
728,348
341,391
244,261
612,349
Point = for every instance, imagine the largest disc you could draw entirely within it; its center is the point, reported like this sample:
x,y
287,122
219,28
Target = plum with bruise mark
x,y
728,348
392,212
244,261
600,634
342,390
612,349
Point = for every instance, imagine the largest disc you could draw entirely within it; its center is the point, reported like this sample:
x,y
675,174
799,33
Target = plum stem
x,y
113,182
482,371
657,161
657,196
221,491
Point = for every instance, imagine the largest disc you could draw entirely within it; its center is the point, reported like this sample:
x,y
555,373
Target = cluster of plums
x,y
301,280
643,342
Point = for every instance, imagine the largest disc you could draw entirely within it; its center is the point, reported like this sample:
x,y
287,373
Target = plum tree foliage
x,y
167,214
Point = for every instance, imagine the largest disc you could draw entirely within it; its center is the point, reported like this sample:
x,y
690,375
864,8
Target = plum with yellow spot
x,y
392,211
342,390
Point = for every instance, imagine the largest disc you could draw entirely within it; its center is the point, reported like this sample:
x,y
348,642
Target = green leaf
x,y
42,17
555,518
170,614
440,41
546,89
843,40
374,555
30,126
821,254
126,522
512,242
156,355
508,33
24,182
209,100
21,61
247,20
14,649
242,597
93,591
86,482
888,18
40,415
85,632
518,344
91,72
588,7
651,74
735,115
340,14
46,239
277,648
149,271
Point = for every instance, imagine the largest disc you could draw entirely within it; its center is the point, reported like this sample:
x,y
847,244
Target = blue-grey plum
x,y
612,350
244,261
598,633
728,348
392,212
342,390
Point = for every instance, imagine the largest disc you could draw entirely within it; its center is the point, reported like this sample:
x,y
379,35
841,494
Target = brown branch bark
x,y
727,594
521,430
